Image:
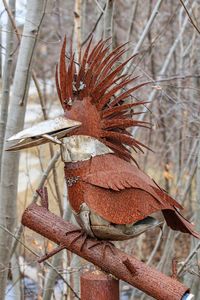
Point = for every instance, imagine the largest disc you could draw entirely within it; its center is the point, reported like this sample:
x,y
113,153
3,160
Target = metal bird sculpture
x,y
111,198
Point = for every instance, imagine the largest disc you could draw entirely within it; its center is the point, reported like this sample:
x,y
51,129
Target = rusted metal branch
x,y
117,263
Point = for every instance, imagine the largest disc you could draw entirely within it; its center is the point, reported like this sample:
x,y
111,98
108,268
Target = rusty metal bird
x,y
111,198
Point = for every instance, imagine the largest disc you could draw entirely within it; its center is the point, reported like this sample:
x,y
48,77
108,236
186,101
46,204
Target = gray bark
x,y
10,161
165,65
108,19
77,26
100,28
16,277
6,79
84,20
51,276
0,51
144,34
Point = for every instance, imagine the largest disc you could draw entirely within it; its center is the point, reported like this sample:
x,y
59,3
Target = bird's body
x,y
109,195
112,199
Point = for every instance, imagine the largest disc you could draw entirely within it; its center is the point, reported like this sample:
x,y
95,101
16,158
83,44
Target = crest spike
x,y
113,74
122,123
104,100
63,72
71,71
127,93
58,86
106,61
97,94
92,95
83,64
95,60
120,109
110,64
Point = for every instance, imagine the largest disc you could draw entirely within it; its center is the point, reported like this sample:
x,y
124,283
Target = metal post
x,y
97,285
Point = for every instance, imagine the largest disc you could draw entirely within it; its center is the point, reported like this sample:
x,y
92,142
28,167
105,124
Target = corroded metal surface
x,y
121,193
97,285
93,96
96,226
118,263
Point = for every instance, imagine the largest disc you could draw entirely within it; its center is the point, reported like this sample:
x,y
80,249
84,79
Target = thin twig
x,y
35,195
191,20
12,20
30,61
37,255
94,28
99,6
178,77
50,166
189,257
144,33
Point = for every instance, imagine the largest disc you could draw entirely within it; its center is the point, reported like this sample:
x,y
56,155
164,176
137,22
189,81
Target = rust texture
x,y
117,263
121,193
107,190
110,185
87,94
104,188
99,286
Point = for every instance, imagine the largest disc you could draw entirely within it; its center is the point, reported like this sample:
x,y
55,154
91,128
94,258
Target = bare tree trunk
x,y
10,161
144,34
134,5
84,20
0,51
77,26
165,64
100,28
16,277
51,276
6,80
108,20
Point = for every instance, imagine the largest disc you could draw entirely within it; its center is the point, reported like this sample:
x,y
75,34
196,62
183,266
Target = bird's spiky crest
x,y
98,77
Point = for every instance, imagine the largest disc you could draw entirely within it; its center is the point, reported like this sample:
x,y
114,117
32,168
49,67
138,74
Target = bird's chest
x,y
77,153
76,186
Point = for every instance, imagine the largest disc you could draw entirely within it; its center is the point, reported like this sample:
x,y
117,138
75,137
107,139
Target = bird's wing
x,y
121,193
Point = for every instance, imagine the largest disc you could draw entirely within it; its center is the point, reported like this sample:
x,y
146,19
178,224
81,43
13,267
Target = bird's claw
x,y
80,234
106,245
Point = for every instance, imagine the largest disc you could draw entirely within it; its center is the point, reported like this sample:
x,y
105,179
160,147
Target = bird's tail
x,y
176,221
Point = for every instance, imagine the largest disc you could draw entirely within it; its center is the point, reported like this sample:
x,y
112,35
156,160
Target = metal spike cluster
x,y
99,78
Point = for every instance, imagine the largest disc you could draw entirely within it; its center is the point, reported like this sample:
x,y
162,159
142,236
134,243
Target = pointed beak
x,y
43,132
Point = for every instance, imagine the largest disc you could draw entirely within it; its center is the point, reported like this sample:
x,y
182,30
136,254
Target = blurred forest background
x,y
165,34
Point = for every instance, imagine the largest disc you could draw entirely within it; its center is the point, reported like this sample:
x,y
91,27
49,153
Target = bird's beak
x,y
43,132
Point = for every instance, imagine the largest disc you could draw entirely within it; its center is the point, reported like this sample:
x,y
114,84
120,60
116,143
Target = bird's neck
x,y
78,148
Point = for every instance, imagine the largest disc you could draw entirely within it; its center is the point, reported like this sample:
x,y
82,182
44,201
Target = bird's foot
x,y
80,233
106,245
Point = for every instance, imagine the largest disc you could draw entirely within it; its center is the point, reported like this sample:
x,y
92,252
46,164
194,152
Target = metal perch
x,y
116,262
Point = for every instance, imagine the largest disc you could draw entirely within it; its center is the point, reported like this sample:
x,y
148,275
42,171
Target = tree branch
x,y
116,262
189,16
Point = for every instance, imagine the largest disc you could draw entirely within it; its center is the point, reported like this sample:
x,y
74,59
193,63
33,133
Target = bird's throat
x,y
82,147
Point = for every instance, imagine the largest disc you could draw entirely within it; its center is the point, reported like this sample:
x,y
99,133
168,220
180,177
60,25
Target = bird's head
x,y
92,93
